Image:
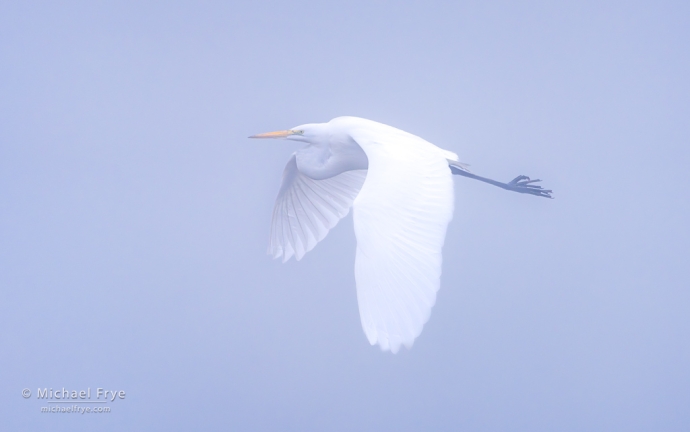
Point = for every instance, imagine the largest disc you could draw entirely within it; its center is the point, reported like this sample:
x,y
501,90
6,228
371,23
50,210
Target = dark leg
x,y
521,183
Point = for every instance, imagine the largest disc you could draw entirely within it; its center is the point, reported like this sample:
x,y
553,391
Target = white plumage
x,y
401,190
306,209
400,218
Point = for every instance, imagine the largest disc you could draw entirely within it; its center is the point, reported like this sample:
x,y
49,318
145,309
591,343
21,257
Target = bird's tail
x,y
460,165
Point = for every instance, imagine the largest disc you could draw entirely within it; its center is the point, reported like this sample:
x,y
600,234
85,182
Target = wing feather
x,y
307,209
400,218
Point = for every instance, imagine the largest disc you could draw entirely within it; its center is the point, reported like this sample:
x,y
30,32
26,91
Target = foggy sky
x,y
134,214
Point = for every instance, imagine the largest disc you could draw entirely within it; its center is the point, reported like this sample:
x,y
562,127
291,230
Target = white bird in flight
x,y
400,188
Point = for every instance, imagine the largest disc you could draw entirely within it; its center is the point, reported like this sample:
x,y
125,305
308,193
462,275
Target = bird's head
x,y
312,133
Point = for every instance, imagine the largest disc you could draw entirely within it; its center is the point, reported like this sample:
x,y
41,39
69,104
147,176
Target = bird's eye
x,y
301,132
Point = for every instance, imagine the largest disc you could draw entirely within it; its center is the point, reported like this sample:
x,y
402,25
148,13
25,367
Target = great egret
x,y
401,190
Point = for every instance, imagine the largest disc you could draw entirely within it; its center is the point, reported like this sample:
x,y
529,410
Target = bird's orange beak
x,y
277,134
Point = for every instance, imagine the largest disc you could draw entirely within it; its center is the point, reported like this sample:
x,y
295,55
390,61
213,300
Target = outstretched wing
x,y
306,209
400,219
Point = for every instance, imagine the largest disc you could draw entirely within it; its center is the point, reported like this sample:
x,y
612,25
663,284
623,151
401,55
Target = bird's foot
x,y
524,184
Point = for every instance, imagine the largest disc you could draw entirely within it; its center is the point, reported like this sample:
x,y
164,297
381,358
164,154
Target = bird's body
x,y
401,190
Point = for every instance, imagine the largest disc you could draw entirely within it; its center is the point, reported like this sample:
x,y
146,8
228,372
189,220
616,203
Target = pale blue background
x,y
134,214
